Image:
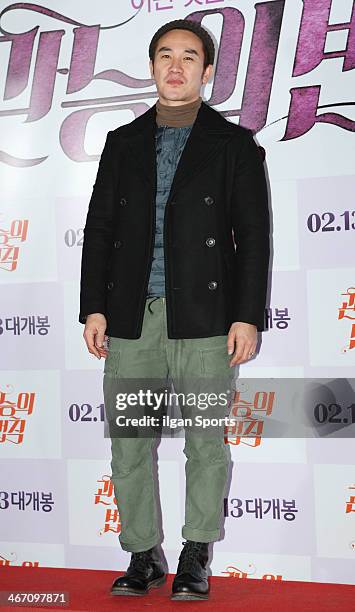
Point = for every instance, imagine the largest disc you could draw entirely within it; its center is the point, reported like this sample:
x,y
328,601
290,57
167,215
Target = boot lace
x,y
141,560
189,556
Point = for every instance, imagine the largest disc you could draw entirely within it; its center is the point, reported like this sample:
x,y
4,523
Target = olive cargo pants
x,y
154,355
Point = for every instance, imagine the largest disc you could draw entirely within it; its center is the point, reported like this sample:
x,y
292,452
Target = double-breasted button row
x,y
207,199
212,285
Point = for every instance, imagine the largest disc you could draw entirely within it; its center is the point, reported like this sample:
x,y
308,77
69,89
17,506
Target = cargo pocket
x,y
215,362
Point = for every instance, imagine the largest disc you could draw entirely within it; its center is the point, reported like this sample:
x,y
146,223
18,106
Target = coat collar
x,y
209,133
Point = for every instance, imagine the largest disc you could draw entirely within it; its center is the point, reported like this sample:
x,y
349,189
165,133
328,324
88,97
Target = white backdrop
x,y
69,72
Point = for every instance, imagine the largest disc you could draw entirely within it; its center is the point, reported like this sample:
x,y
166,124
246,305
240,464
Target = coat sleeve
x,y
251,229
98,233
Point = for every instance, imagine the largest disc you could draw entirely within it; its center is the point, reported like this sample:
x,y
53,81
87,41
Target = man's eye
x,y
188,58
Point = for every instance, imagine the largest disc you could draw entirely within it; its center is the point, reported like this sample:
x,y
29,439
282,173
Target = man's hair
x,y
192,26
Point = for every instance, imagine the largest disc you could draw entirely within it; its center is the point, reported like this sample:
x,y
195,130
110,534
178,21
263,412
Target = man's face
x,y
178,67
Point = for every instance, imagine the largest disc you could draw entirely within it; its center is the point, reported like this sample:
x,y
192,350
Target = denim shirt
x,y
169,144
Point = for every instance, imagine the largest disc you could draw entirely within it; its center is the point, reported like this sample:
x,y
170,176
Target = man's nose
x,y
175,65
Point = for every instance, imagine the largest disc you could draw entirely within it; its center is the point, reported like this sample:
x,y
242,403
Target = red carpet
x,y
89,590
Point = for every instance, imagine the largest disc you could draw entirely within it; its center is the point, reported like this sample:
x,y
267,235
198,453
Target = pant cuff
x,y
200,535
139,546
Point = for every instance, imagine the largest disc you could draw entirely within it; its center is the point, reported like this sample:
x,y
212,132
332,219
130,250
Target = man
x,y
174,276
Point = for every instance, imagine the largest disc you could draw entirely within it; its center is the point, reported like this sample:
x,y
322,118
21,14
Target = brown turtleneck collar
x,y
177,116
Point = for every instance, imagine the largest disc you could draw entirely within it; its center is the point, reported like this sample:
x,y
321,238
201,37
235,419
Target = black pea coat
x,y
216,230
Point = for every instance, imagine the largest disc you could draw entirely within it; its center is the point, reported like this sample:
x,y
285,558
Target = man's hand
x,y
245,335
94,334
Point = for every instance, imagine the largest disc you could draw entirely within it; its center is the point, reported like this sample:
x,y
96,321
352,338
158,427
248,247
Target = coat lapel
x,y
209,133
141,145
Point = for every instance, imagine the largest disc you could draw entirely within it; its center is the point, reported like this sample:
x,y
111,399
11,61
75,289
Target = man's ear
x,y
207,73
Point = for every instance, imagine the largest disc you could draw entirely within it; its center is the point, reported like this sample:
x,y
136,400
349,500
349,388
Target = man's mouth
x,y
174,82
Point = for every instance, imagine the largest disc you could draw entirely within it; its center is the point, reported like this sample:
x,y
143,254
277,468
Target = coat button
x,y
208,200
172,203
123,201
212,285
210,242
110,285
117,244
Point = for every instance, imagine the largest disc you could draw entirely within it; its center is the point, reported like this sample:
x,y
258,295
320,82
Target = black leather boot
x,y
191,580
144,571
